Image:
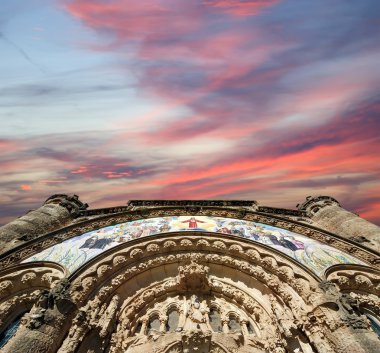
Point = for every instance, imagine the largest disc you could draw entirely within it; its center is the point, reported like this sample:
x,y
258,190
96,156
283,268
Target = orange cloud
x,y
25,187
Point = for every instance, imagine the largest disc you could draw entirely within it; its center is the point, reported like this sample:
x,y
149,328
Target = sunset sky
x,y
114,100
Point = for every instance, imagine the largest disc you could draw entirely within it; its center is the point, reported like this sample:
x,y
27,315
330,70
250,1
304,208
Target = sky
x,y
113,100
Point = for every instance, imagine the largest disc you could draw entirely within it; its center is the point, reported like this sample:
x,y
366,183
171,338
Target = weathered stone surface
x,y
57,212
192,292
327,213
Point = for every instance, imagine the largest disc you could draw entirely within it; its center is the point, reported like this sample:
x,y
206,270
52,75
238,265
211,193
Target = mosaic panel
x,y
75,252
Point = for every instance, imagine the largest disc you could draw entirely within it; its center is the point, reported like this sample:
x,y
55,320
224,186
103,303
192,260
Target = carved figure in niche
x,y
319,340
284,317
350,304
79,328
193,277
329,288
43,300
106,320
197,315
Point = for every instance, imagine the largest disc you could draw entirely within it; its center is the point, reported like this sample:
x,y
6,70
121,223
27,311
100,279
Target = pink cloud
x,y
291,121
241,7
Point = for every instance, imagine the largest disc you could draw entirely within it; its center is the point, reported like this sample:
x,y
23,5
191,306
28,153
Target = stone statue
x,y
197,315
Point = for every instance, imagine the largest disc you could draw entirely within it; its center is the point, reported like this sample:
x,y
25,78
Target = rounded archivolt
x,y
20,288
193,300
75,252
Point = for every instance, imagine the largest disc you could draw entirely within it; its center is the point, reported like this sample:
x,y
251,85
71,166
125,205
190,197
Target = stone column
x,y
144,325
244,329
225,327
163,320
57,212
327,213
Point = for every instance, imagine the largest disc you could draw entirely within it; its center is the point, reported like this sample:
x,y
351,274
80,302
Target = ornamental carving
x,y
192,291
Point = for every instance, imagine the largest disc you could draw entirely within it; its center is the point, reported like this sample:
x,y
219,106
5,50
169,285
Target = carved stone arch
x,y
36,275
90,278
125,314
22,285
359,288
103,301
349,277
141,270
250,304
106,275
152,313
172,306
215,306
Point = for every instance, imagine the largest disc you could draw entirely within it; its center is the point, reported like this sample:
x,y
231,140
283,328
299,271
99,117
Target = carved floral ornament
x,y
102,221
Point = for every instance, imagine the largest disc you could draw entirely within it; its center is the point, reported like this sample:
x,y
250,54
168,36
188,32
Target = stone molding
x,y
193,205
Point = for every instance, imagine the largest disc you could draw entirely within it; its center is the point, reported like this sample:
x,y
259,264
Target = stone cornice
x,y
190,203
195,205
36,245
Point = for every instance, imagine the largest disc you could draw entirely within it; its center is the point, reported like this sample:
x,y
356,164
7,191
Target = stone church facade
x,y
189,277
